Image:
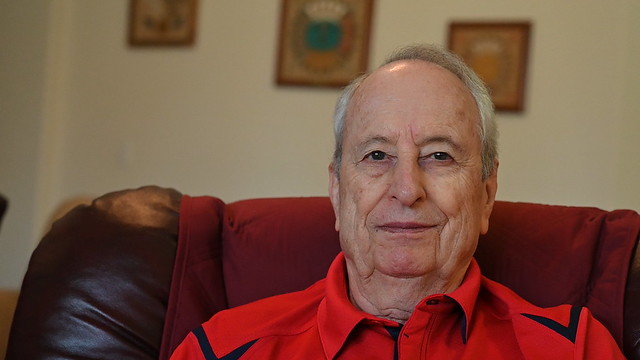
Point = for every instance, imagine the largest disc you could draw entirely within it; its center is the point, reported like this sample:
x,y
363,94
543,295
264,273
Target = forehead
x,y
413,94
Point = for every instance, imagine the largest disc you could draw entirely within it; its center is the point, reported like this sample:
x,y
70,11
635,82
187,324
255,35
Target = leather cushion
x,y
98,283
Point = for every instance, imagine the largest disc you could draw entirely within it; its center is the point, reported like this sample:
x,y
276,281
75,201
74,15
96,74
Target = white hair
x,y
487,127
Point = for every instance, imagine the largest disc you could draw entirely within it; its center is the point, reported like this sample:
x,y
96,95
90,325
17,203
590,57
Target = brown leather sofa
x,y
130,275
3,206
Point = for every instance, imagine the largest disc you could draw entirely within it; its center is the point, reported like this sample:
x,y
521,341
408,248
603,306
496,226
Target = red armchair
x,y
130,275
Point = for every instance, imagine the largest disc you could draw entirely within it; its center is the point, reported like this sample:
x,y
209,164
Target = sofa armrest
x,y
98,283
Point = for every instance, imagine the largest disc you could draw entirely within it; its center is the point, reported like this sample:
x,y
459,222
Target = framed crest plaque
x,y
323,42
498,52
162,22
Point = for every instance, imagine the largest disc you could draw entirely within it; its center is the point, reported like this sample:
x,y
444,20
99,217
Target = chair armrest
x,y
632,310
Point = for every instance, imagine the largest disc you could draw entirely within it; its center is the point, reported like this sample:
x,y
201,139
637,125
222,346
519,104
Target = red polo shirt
x,y
480,320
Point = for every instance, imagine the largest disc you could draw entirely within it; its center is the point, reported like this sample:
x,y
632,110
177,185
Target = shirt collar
x,y
337,316
466,296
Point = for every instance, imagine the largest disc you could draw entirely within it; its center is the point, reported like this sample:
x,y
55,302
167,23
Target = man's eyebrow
x,y
428,140
376,140
440,139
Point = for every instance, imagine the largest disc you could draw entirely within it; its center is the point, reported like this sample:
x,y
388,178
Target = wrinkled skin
x,y
410,200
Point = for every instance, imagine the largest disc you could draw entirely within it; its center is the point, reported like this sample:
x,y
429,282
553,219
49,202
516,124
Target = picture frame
x,y
162,22
498,52
323,42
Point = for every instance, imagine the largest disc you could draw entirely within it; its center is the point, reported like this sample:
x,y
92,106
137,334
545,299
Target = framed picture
x,y
498,52
323,42
162,22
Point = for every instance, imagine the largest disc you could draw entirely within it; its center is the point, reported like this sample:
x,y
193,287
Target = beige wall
x,y
82,113
23,42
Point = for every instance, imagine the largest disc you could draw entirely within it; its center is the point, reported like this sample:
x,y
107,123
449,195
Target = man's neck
x,y
395,298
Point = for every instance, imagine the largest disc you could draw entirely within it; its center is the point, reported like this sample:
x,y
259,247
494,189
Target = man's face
x,y
410,200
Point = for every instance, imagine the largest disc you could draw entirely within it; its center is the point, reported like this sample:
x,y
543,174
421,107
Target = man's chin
x,y
404,267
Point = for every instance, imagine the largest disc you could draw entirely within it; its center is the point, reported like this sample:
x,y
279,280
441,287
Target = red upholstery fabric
x,y
553,255
549,254
197,286
268,247
274,246
631,334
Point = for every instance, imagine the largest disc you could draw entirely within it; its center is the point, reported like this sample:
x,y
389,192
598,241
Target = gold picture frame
x,y
323,42
498,52
162,22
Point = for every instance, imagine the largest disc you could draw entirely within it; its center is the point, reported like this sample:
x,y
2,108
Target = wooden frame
x,y
323,42
498,52
162,22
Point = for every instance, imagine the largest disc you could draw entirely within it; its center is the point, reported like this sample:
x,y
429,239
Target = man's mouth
x,y
405,227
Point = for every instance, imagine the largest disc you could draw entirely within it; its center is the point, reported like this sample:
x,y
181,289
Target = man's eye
x,y
378,155
441,156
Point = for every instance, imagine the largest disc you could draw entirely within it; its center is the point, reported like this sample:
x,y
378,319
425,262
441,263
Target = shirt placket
x,y
415,340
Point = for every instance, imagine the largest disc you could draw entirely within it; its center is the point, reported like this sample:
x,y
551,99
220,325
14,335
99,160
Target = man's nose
x,y
408,185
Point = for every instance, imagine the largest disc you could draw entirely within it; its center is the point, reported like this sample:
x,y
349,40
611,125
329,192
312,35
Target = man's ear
x,y
490,188
334,192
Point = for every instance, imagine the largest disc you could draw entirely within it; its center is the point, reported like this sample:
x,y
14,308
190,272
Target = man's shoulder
x,y
280,315
506,303
562,329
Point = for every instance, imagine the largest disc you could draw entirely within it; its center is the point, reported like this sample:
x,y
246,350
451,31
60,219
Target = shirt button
x,y
433,302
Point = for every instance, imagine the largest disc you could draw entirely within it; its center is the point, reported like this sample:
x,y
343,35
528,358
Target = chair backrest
x,y
549,254
256,248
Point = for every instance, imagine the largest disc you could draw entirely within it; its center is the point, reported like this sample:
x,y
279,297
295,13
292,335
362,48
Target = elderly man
x,y
412,183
